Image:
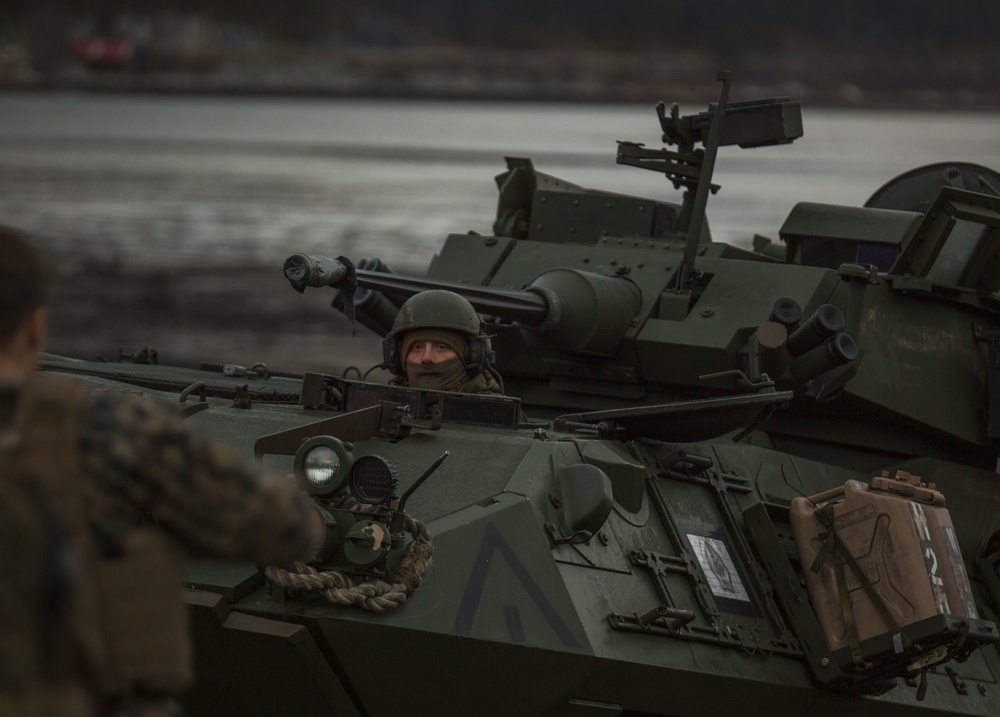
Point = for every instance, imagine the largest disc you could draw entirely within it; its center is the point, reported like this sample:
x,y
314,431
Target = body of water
x,y
165,181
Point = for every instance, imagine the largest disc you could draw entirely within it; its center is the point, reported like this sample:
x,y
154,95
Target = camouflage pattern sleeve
x,y
142,459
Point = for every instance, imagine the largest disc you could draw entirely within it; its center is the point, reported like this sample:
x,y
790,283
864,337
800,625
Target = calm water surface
x,y
173,182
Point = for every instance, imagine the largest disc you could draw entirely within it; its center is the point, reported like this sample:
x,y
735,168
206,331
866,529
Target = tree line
x,y
720,26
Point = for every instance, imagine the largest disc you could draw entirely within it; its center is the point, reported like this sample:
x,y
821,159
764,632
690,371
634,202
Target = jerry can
x,y
900,538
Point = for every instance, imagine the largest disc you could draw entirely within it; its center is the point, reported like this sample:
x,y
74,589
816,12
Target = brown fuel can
x,y
903,544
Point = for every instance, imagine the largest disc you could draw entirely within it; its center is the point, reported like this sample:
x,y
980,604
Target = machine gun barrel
x,y
529,308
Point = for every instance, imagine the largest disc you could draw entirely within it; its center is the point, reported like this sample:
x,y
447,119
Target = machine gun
x,y
756,123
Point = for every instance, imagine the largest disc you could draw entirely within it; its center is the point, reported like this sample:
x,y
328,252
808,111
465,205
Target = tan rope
x,y
373,595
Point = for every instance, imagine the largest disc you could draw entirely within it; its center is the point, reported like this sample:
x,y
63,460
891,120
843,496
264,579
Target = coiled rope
x,y
373,595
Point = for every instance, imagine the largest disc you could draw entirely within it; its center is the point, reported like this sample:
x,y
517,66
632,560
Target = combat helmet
x,y
438,309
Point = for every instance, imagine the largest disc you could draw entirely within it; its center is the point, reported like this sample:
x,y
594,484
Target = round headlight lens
x,y
320,466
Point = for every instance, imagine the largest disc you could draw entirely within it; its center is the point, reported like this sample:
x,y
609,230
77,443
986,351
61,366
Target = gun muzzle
x,y
303,270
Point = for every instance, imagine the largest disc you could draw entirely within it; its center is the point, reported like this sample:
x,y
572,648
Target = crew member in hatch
x,y
438,342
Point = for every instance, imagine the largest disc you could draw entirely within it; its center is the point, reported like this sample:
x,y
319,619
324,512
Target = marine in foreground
x,y
98,490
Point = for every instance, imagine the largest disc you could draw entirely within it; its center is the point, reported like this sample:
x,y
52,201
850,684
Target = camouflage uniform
x,y
139,457
137,465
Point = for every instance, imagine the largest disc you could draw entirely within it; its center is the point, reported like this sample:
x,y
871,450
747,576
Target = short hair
x,y
26,279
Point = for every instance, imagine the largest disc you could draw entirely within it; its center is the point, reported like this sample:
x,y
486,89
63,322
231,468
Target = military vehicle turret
x,y
720,480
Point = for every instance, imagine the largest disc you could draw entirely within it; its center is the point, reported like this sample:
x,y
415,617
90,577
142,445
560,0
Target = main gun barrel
x,y
561,308
529,308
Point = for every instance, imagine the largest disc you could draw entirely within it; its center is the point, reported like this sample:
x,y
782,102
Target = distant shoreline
x,y
496,76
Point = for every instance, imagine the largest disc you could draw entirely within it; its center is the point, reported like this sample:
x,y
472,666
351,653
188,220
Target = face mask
x,y
435,375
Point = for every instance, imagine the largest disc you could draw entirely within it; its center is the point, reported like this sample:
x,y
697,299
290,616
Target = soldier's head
x,y
436,340
26,279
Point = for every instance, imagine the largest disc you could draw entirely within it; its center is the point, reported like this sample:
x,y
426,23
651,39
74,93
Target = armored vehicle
x,y
719,480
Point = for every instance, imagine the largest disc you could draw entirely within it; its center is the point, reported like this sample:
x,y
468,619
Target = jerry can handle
x,y
826,495
919,493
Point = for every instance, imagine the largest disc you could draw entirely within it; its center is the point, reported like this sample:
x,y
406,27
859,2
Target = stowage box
x,y
903,542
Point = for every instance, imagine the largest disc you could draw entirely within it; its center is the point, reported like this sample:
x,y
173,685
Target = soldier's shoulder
x,y
127,412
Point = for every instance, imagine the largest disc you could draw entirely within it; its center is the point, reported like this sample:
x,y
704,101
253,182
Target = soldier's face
x,y
425,352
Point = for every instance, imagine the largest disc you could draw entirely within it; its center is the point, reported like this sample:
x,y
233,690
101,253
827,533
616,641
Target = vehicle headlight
x,y
322,464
